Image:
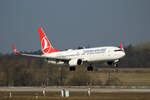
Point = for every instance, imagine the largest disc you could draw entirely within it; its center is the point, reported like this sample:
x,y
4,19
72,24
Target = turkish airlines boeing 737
x,y
109,54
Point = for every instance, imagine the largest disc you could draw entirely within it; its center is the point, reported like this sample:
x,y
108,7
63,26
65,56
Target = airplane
x,y
77,57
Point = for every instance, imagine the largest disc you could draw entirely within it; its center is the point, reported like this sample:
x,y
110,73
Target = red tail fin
x,y
45,44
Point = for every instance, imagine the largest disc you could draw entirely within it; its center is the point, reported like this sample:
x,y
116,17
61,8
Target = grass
x,y
126,76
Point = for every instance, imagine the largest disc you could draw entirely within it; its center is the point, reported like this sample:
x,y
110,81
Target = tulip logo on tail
x,y
45,45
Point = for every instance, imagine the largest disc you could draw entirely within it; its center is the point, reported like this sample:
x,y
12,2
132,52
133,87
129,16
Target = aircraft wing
x,y
39,56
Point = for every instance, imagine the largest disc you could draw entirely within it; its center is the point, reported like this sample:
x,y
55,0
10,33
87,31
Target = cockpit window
x,y
117,50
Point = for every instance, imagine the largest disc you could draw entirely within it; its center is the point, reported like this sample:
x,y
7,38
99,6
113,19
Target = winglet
x,y
121,46
15,50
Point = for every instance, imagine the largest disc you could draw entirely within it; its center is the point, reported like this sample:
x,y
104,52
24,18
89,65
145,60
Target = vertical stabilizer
x,y
45,44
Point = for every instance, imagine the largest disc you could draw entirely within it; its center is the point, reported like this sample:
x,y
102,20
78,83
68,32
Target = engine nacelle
x,y
75,62
55,62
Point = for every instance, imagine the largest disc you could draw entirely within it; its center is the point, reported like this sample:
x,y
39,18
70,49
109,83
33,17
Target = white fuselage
x,y
90,54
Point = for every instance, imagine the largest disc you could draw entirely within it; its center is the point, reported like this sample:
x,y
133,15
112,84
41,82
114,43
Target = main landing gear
x,y
72,68
90,68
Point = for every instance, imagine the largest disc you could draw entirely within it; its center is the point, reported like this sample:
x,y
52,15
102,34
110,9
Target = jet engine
x,y
75,62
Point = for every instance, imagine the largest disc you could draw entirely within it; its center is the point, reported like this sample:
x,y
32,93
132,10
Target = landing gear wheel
x,y
72,68
90,68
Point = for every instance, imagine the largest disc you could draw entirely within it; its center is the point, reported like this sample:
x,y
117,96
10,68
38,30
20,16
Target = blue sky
x,y
73,23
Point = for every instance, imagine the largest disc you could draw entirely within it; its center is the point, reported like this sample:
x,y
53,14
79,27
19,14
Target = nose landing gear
x,y
116,65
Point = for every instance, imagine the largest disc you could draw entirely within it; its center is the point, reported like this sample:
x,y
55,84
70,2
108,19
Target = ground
x,y
76,96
